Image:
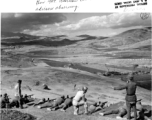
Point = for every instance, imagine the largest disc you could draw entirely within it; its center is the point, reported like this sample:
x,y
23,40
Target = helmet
x,y
84,88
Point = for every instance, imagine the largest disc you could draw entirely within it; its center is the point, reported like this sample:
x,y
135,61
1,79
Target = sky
x,y
72,24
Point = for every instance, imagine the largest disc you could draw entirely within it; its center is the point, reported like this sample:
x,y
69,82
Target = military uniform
x,y
141,112
92,108
52,104
18,93
78,100
121,111
58,102
4,102
67,103
130,97
46,104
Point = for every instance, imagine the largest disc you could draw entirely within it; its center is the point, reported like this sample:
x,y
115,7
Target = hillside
x,y
127,38
142,45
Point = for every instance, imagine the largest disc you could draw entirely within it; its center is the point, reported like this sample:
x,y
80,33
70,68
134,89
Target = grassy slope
x,y
126,38
137,45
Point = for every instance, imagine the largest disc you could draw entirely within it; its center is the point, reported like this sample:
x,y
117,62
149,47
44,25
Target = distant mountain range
x,y
14,39
89,37
85,36
134,38
11,34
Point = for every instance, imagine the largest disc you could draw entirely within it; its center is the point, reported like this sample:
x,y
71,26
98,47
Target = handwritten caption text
x,y
55,5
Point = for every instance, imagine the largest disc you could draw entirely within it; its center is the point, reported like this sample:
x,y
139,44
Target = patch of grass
x,y
15,115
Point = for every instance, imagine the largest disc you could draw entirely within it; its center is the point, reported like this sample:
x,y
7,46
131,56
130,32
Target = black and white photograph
x,y
76,66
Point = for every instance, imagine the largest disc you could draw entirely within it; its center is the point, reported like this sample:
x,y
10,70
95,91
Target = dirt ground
x,y
61,81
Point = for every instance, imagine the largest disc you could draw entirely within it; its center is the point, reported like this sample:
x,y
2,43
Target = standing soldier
x,y
77,100
130,96
18,93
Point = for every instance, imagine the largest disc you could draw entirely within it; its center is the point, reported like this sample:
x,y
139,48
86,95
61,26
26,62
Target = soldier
x,y
27,98
67,103
79,100
141,111
4,103
95,107
37,101
45,87
130,96
16,102
45,104
57,102
18,93
52,104
42,101
121,111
